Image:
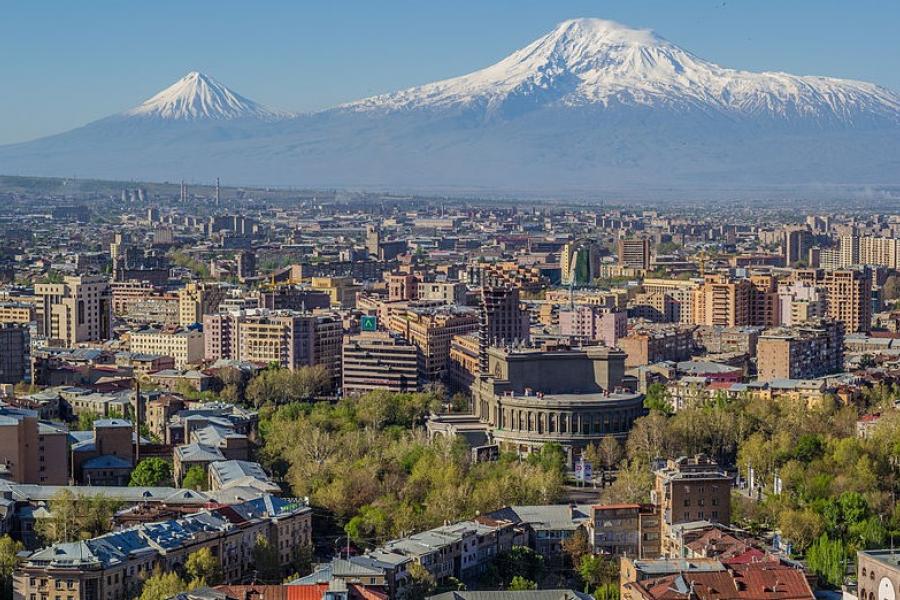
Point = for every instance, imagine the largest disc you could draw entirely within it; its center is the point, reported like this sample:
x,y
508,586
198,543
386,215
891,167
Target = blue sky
x,y
65,63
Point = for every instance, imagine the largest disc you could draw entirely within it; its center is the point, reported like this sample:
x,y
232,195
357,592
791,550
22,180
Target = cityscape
x,y
451,356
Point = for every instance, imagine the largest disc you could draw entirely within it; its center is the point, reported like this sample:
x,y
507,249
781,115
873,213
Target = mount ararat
x,y
591,105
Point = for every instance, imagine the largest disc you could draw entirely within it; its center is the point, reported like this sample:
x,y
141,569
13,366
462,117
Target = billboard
x,y
368,323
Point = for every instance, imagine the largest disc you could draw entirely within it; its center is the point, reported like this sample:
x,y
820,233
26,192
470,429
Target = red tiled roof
x,y
767,580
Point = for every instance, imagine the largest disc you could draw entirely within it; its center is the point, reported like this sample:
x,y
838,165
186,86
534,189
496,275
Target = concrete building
x,y
430,330
579,262
15,353
379,360
16,312
463,362
878,574
634,253
531,396
795,247
289,338
673,299
647,344
451,292
691,489
32,451
184,345
246,265
198,299
625,530
503,320
593,323
113,566
847,295
801,352
801,302
75,311
722,301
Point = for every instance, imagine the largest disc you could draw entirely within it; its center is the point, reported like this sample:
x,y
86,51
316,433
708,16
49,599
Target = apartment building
x,y
691,489
32,451
198,299
593,323
16,312
625,530
289,338
648,344
184,345
15,352
75,311
430,330
113,566
634,253
801,352
847,295
801,302
672,299
723,301
379,360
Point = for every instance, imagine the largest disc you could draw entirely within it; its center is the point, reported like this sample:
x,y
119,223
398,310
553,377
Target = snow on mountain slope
x,y
594,61
197,96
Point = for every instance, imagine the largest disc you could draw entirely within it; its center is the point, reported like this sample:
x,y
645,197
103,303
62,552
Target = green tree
x,y
420,583
607,591
577,546
9,548
162,586
520,584
519,561
595,570
826,559
633,483
151,472
203,567
61,524
268,565
657,398
195,478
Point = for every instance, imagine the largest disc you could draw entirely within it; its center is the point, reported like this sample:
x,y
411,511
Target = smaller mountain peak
x,y
197,96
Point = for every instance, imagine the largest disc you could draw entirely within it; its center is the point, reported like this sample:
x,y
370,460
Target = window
x,y
687,501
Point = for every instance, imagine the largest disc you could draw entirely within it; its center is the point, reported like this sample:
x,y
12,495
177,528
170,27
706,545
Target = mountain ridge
x,y
590,104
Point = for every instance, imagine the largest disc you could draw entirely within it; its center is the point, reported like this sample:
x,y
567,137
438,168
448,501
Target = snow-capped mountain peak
x,y
591,61
197,96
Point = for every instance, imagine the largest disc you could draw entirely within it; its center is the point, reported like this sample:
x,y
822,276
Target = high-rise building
x,y
795,245
765,308
847,295
801,352
849,250
246,265
579,262
198,299
430,330
373,240
15,352
288,338
75,311
634,253
801,302
379,360
722,301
